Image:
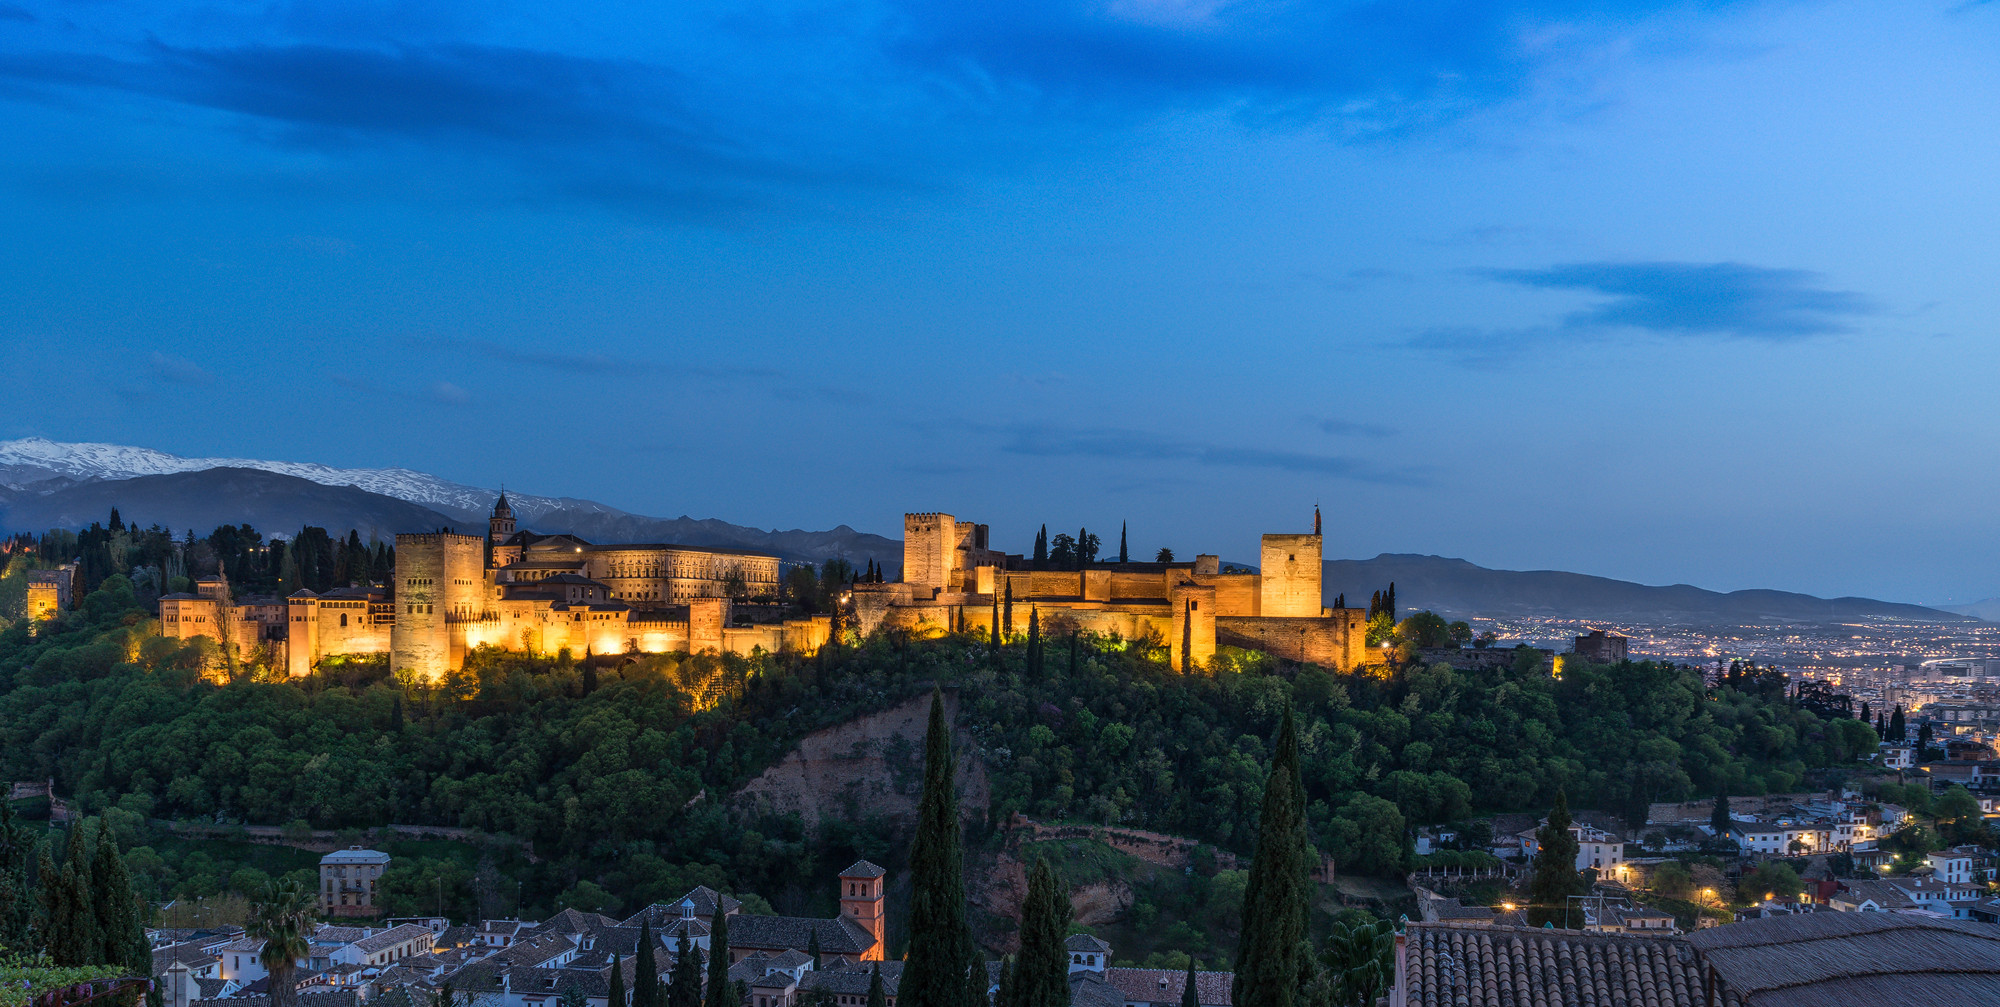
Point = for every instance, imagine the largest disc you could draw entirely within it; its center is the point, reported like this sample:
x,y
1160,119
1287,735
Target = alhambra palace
x,y
543,594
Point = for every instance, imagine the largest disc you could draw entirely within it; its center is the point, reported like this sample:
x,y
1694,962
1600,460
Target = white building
x,y
1953,866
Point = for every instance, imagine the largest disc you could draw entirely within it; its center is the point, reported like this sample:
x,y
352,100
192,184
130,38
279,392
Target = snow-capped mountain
x,y
35,459
46,484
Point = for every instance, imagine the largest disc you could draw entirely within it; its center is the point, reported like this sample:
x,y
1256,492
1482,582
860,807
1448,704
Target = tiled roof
x,y
391,937
1836,958
327,933
210,988
853,978
863,869
574,921
1086,943
355,857
1165,985
704,899
837,936
307,998
190,954
1089,989
1455,963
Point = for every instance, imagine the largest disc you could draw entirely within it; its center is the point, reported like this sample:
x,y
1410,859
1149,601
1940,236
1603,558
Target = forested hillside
x,y
622,784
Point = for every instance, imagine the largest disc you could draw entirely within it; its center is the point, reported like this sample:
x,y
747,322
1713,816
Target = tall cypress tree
x,y
1187,637
1007,613
720,992
993,638
16,900
616,996
1719,819
1269,959
646,977
1556,877
935,969
1003,993
70,930
1190,994
1034,644
1898,731
1041,547
121,937
684,990
876,996
1041,971
1123,556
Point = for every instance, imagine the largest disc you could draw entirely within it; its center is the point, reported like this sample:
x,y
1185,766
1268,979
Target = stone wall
x,y
1336,640
1291,576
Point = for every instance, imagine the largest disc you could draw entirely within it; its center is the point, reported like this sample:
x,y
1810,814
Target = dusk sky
x,y
1698,293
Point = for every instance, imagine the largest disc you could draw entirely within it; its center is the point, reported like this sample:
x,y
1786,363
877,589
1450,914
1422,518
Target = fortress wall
x,y
1237,594
1339,640
1193,624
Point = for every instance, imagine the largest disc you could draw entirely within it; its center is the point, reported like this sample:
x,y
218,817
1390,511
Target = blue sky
x,y
1670,292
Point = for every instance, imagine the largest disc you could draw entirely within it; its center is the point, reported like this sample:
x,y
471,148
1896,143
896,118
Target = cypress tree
x,y
16,907
1083,555
1007,613
70,930
1187,637
1034,644
1041,547
1190,995
719,990
876,996
1865,713
1041,971
1269,956
1556,877
396,715
1898,732
121,935
1718,819
935,969
1123,556
1004,995
812,947
993,638
685,988
616,996
1389,603
646,977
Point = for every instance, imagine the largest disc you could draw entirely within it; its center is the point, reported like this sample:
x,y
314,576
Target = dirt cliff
x,y
872,765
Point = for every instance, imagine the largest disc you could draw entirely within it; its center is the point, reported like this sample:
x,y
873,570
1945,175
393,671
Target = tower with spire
x,y
500,526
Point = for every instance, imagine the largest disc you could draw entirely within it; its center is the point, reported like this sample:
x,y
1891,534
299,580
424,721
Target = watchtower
x,y
1291,575
861,900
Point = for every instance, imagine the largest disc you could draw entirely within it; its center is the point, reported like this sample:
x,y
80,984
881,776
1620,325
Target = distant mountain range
x,y
49,484
1460,589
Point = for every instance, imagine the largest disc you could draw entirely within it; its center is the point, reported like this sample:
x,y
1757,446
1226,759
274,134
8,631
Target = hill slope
x,y
1457,588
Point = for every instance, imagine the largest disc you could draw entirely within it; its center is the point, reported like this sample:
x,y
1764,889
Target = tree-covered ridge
x,y
621,783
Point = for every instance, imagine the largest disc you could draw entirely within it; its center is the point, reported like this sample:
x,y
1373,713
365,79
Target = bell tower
x,y
500,527
861,900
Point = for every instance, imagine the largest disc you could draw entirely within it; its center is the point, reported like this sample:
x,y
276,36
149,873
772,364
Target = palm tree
x,y
283,920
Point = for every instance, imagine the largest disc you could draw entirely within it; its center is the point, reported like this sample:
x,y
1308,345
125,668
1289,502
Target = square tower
x,y
1291,577
861,900
440,584
930,551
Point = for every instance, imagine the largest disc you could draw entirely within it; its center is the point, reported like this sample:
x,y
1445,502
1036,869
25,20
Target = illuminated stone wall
x,y
929,547
1291,572
440,580
1337,640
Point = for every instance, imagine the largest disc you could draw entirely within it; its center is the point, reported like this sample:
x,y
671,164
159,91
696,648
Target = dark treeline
x,y
621,782
158,562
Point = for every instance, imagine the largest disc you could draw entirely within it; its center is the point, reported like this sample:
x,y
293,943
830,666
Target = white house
x,y
1898,756
1953,866
1595,848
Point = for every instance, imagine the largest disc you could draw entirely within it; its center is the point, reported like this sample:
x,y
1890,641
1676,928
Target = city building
x,y
1599,647
347,881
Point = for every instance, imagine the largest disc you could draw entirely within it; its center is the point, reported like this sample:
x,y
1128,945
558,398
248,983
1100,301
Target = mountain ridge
x,y
1463,589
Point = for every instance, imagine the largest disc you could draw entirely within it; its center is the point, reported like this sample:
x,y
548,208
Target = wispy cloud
x,y
1133,445
1350,428
725,105
177,371
586,363
1720,300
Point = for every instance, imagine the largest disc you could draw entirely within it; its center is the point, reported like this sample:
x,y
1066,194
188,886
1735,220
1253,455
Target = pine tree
x,y
935,969
1122,554
121,935
1276,898
720,993
646,977
616,996
1898,731
1556,877
1190,994
876,996
1719,819
1041,971
684,990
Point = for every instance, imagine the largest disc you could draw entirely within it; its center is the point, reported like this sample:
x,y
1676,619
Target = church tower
x,y
861,900
500,527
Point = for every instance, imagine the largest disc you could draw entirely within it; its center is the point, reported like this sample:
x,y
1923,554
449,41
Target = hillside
x,y
268,501
1460,589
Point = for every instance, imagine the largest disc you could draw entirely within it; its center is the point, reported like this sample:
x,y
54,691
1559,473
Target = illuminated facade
x,y
952,581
